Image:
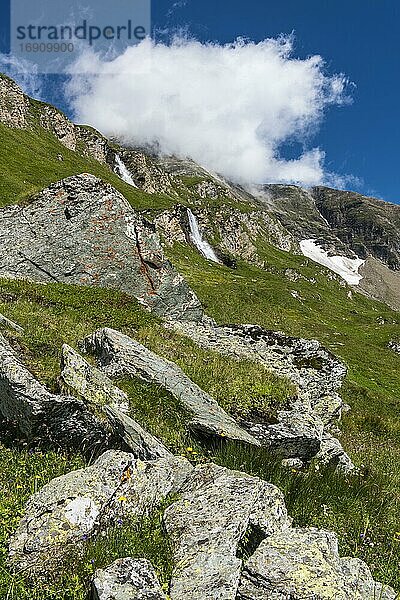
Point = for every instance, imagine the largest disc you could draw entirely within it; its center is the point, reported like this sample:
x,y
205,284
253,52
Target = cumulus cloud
x,y
229,107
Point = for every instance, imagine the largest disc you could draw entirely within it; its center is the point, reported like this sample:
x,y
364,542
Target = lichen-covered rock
x,y
69,509
127,579
298,434
14,105
304,563
331,453
216,509
89,383
99,392
81,230
120,354
63,420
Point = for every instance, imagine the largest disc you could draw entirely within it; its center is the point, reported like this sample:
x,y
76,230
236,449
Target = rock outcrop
x,y
14,105
207,524
104,242
62,420
55,121
71,508
231,534
305,563
104,398
317,374
127,579
121,355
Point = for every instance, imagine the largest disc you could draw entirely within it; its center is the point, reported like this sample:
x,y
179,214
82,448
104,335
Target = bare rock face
x,y
14,105
127,579
120,354
305,563
94,145
81,230
55,121
71,508
146,174
207,523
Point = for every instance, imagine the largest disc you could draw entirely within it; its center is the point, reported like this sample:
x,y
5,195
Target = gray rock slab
x,y
99,392
298,434
304,563
63,420
216,509
140,442
89,383
82,503
120,354
81,230
127,579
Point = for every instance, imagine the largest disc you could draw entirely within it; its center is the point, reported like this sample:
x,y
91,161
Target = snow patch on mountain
x,y
346,267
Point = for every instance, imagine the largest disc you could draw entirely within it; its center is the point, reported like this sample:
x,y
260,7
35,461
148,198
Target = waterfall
x,y
123,171
201,244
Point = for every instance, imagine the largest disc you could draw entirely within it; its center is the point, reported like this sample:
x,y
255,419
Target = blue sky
x,y
358,38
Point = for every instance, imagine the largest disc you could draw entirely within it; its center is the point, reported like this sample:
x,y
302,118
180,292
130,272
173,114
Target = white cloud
x,y
228,107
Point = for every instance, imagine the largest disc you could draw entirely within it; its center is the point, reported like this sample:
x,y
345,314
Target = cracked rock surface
x,y
82,231
69,509
127,579
207,524
304,563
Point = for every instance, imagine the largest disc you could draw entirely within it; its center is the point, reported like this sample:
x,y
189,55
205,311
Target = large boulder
x,y
297,434
99,393
82,231
127,579
80,504
121,355
89,383
216,510
305,563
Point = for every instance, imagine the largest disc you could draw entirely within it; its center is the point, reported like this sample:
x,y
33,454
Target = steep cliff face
x,y
368,226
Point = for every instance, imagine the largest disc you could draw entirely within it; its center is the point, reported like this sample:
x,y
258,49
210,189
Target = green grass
x,y
29,163
368,505
55,314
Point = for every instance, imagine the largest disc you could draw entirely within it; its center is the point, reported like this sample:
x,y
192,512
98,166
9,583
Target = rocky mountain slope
x,y
123,268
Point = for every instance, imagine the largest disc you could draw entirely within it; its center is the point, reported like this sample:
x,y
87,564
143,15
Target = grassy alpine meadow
x,y
30,161
362,509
